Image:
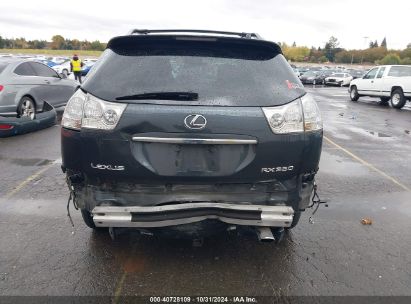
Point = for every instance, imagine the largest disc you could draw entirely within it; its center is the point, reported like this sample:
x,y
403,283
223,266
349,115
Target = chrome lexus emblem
x,y
195,121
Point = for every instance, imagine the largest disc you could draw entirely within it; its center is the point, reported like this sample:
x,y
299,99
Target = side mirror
x,y
62,76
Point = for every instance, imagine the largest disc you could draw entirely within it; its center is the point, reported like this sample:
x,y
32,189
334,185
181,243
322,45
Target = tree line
x,y
57,42
332,52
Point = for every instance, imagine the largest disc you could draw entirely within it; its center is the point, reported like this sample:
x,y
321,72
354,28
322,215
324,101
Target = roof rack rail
x,y
241,35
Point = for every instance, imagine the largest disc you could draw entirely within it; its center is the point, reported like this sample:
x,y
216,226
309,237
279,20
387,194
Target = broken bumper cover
x,y
10,126
171,215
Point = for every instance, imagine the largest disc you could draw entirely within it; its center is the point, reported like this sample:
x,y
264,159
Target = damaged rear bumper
x,y
294,192
185,213
10,126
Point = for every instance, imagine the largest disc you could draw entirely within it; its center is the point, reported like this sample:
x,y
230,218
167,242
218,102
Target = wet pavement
x,y
365,172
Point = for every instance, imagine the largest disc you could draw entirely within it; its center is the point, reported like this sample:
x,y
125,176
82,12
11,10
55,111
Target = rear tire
x,y
65,72
397,99
354,93
27,108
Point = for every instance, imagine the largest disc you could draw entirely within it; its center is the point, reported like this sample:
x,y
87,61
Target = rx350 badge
x,y
277,169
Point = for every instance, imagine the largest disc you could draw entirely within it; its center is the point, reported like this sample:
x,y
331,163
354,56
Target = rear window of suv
x,y
400,71
222,74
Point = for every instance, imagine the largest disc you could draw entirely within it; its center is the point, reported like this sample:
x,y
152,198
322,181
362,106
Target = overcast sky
x,y
309,23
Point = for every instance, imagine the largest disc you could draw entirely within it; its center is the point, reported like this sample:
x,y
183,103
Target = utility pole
x,y
365,42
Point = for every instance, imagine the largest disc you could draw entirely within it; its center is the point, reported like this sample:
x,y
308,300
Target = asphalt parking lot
x,y
365,172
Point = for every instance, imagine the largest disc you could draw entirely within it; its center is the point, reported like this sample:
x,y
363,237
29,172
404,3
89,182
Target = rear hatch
x,y
194,110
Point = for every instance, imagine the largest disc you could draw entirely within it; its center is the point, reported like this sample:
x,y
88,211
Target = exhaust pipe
x,y
265,235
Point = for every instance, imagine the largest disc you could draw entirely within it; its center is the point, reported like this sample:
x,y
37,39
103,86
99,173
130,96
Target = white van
x,y
389,82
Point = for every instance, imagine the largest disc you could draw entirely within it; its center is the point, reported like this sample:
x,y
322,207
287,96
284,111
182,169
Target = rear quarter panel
x,y
402,82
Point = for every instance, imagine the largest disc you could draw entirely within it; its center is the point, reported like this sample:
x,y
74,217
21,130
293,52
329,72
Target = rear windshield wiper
x,y
161,96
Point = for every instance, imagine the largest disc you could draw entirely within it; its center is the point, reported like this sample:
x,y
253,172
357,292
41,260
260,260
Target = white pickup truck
x,y
388,82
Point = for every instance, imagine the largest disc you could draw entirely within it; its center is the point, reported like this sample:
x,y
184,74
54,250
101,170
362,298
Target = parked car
x,y
327,73
23,56
86,68
334,71
90,61
26,85
356,73
49,63
311,77
315,77
315,68
388,82
211,131
40,57
340,79
303,70
59,60
63,68
296,72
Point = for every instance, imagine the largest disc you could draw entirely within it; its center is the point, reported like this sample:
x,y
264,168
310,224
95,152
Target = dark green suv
x,y
177,128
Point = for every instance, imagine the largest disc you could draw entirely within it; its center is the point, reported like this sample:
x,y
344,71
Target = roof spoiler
x,y
188,31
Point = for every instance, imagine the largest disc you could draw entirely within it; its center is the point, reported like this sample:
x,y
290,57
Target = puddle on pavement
x,y
378,134
340,106
333,164
27,161
371,134
336,131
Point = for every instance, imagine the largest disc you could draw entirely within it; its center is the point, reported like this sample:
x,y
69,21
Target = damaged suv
x,y
177,129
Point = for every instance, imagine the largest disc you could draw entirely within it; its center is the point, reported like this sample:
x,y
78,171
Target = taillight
x,y
73,113
295,117
285,119
312,115
87,111
1,88
6,127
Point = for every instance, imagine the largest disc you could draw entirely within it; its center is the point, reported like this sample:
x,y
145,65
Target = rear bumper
x,y
178,214
294,193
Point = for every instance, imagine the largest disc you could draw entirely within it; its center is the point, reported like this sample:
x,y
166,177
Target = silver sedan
x,y
26,85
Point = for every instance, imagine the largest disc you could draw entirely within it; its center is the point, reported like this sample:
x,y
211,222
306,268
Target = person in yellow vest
x,y
75,65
